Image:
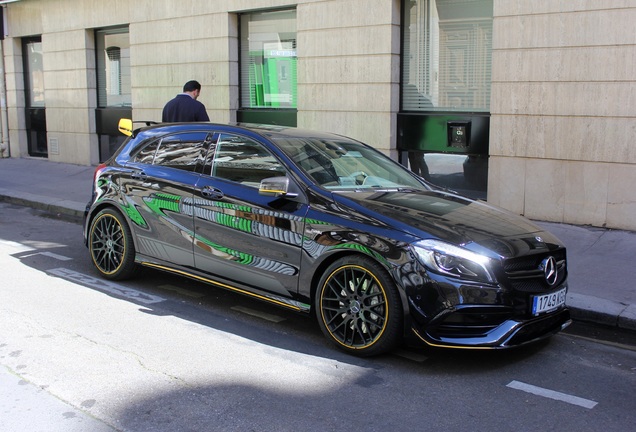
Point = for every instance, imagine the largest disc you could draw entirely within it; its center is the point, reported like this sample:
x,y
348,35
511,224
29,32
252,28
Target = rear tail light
x,y
98,170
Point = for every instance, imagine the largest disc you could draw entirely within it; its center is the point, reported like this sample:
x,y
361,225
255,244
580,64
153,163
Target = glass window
x,y
346,164
185,151
113,67
268,59
447,55
34,72
147,153
35,113
244,161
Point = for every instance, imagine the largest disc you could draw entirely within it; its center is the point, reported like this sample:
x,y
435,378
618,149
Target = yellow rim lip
x,y
386,314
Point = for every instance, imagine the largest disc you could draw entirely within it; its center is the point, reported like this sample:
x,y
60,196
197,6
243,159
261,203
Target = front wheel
x,y
111,246
358,307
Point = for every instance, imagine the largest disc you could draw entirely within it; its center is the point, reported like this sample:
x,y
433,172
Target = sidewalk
x,y
601,262
44,412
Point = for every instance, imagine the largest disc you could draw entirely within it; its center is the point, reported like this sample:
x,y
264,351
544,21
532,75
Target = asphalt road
x,y
160,353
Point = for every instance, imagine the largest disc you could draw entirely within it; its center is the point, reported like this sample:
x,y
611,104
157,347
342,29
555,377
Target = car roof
x,y
272,132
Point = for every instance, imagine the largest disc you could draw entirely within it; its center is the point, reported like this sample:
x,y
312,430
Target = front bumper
x,y
510,333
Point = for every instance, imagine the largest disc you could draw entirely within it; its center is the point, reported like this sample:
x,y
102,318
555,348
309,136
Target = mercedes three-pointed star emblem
x,y
550,270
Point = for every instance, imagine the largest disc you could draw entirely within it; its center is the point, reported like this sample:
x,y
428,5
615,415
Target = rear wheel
x,y
111,246
358,307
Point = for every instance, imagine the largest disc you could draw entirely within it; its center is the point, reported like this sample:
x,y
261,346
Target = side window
x,y
147,153
185,151
244,161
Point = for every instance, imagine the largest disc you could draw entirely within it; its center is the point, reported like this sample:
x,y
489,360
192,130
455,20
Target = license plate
x,y
548,302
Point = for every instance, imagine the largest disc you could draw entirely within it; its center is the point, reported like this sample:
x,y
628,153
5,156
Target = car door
x,y
242,236
158,184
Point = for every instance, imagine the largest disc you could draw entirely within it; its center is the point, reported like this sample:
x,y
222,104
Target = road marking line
x,y
263,315
106,286
564,397
50,255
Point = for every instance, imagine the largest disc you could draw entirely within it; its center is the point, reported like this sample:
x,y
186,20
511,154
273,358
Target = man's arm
x,y
201,114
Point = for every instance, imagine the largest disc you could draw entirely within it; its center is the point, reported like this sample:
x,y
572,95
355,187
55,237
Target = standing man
x,y
185,107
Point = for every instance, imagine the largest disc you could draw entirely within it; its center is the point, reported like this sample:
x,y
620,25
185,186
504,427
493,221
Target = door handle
x,y
211,192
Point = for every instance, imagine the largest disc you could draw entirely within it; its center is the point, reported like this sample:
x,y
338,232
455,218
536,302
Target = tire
x,y
358,307
111,246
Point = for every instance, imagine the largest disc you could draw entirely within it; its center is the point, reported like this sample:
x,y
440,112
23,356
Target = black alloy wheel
x,y
358,307
111,246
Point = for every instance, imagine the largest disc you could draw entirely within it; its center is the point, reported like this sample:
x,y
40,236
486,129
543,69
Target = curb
x,y
50,205
601,311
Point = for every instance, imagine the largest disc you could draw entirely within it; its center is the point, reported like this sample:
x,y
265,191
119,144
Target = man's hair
x,y
191,86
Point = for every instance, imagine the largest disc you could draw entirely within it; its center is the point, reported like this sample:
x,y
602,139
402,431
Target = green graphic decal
x,y
134,215
239,257
161,201
234,222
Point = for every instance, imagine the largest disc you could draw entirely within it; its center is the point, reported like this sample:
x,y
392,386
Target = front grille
x,y
531,262
525,274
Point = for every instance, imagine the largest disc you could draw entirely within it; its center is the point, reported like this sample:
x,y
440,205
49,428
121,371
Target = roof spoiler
x,y
125,125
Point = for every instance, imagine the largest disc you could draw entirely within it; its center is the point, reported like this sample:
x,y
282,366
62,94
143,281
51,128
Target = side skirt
x,y
270,298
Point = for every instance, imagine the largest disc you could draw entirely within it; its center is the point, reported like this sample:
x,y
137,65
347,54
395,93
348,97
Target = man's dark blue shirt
x,y
184,108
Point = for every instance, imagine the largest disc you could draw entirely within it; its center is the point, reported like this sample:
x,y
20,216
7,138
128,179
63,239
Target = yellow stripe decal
x,y
222,285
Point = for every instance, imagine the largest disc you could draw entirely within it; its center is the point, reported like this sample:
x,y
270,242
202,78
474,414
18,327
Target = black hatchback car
x,y
323,224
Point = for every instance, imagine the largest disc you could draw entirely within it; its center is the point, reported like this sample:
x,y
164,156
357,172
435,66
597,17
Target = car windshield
x,y
342,164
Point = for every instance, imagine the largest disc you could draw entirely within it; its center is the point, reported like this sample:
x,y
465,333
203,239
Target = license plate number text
x,y
548,302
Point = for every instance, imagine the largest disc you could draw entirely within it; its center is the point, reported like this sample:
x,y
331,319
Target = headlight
x,y
454,261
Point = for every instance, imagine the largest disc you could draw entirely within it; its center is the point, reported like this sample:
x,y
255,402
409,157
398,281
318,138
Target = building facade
x,y
530,104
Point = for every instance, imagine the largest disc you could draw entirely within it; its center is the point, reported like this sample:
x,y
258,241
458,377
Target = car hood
x,y
475,225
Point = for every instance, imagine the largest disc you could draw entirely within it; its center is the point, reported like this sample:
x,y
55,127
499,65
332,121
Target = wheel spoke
x,y
358,330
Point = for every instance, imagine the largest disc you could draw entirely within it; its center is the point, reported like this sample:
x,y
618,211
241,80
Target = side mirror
x,y
125,126
277,187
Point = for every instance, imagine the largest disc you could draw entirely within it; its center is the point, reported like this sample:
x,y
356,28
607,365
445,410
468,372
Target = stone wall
x,y
563,109
349,69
